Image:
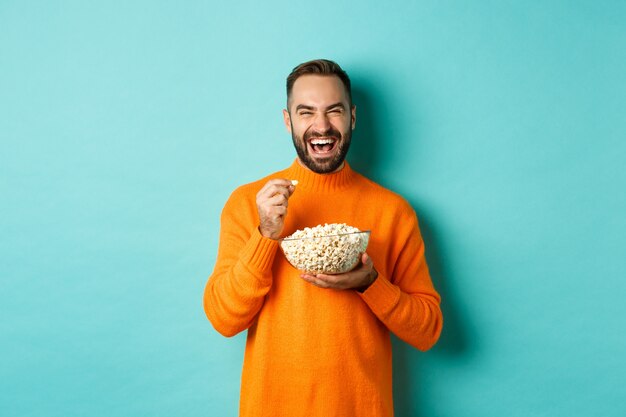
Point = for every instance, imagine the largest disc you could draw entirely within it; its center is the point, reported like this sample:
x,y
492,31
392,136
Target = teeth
x,y
322,141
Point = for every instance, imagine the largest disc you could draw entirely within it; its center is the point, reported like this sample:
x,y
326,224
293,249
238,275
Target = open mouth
x,y
322,146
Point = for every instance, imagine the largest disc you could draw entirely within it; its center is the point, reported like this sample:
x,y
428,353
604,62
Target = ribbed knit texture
x,y
312,351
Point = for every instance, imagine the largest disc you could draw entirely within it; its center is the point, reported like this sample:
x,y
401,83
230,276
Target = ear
x,y
353,116
287,120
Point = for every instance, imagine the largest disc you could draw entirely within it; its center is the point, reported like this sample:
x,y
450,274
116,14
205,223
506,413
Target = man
x,y
319,345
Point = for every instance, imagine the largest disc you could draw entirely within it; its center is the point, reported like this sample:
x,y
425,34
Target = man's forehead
x,y
319,89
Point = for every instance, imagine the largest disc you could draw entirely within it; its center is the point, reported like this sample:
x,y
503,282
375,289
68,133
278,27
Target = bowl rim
x,y
293,239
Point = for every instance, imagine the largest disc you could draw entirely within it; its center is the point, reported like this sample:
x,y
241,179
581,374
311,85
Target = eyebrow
x,y
305,107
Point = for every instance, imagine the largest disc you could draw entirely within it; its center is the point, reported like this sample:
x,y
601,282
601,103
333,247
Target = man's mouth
x,y
322,146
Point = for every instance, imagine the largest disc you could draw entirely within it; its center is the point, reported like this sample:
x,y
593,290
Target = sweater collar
x,y
310,180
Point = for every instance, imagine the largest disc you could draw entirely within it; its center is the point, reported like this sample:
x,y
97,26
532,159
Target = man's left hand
x,y
359,278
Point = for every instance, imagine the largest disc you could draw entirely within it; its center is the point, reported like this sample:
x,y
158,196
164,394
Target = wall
x,y
125,125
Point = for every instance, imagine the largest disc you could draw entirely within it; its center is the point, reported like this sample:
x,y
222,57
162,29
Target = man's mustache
x,y
329,133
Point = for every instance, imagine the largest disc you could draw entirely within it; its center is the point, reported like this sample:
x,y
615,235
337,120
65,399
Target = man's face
x,y
320,119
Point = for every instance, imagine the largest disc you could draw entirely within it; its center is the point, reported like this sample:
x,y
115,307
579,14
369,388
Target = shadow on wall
x,y
410,373
366,153
365,150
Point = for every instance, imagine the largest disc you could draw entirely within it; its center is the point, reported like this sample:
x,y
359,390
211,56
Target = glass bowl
x,y
329,254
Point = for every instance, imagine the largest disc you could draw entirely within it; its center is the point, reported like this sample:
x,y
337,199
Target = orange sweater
x,y
312,351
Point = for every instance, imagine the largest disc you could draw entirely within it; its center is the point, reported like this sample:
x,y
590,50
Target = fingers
x,y
272,201
276,187
275,193
356,278
278,199
337,282
321,280
367,261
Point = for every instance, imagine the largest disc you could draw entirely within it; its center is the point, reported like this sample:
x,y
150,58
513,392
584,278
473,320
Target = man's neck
x,y
309,169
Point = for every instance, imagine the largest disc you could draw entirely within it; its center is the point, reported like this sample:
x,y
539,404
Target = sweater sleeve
x,y
242,277
403,296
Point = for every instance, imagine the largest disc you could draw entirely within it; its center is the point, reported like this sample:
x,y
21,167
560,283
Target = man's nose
x,y
321,123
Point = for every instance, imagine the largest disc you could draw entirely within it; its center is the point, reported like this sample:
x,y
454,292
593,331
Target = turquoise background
x,y
124,126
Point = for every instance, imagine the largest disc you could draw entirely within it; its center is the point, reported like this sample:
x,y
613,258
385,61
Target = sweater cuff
x,y
381,296
259,252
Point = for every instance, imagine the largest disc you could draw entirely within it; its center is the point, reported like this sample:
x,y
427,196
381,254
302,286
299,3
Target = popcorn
x,y
330,248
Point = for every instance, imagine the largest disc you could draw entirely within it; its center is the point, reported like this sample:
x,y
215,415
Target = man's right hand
x,y
271,203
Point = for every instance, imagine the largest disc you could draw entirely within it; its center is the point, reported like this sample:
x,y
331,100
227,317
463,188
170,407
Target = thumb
x,y
366,260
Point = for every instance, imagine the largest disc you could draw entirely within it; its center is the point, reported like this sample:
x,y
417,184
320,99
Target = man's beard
x,y
326,165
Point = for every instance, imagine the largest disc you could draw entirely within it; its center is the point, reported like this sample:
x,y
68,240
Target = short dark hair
x,y
319,67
